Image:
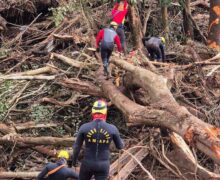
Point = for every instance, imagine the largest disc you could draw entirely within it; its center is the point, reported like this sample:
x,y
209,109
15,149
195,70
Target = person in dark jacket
x,y
107,37
97,135
156,47
58,170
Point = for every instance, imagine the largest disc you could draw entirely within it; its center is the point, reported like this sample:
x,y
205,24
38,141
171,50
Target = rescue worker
x,y
98,136
107,37
156,47
58,170
119,12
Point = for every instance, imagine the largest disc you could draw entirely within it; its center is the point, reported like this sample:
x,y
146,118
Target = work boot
x,y
106,71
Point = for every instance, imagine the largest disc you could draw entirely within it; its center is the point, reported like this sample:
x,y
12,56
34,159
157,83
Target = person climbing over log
x,y
98,136
107,37
119,12
58,170
155,47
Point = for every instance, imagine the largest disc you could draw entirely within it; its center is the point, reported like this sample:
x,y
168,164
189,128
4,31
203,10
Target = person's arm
x,y
125,11
99,37
114,10
72,174
43,173
118,42
162,51
77,146
117,140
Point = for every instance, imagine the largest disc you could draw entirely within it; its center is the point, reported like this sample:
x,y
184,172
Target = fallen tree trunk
x,y
165,111
131,165
67,60
23,175
65,141
81,86
184,157
20,77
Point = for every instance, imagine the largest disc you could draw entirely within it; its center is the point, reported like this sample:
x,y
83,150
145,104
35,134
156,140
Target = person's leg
x,y
121,34
85,172
158,54
102,171
151,52
104,56
109,50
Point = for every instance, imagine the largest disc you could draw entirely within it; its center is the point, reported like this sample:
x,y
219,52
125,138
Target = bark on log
x,y
171,115
33,125
130,166
187,160
214,25
81,86
66,141
136,27
122,160
42,70
20,77
67,60
23,175
4,129
3,23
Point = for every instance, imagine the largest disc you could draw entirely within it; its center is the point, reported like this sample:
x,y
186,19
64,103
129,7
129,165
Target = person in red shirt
x,y
105,41
119,12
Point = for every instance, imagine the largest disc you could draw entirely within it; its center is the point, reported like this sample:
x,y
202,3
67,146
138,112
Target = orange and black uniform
x,y
97,136
62,174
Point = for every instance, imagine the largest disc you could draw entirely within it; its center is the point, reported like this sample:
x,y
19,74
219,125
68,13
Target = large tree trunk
x,y
164,110
187,24
165,24
136,27
214,25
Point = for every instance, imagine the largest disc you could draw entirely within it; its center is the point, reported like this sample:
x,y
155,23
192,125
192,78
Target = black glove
x,y
97,49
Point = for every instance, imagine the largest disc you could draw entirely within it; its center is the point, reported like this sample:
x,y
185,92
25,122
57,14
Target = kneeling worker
x,y
58,170
156,47
107,37
98,136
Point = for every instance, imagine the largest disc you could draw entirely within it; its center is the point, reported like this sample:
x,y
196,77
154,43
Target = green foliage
x,y
3,52
5,91
3,110
41,113
60,130
165,2
60,12
132,2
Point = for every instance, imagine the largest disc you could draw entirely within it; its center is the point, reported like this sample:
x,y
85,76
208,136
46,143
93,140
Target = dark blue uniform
x,y
155,47
97,136
61,174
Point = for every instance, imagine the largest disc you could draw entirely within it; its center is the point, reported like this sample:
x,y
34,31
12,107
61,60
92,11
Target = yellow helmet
x,y
99,107
63,154
163,40
114,24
